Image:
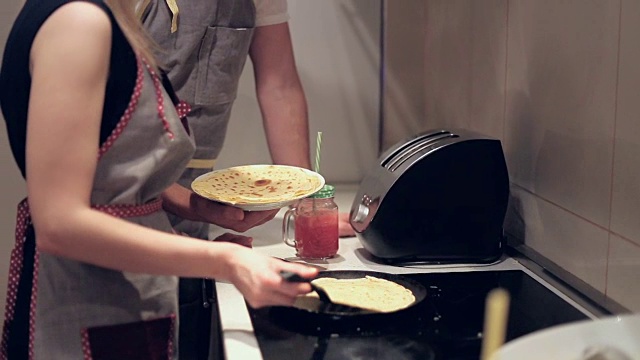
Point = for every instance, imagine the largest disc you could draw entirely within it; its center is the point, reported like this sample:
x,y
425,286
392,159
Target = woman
x,y
98,139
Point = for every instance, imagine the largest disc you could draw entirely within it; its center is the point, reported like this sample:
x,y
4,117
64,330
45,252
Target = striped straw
x,y
318,143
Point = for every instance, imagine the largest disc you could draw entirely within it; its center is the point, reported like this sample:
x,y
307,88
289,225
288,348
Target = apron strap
x,y
131,107
127,210
157,83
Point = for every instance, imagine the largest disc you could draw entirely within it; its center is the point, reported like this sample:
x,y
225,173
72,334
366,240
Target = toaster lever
x,y
362,211
360,214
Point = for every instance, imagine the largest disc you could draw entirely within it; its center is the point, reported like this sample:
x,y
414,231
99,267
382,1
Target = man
x,y
204,45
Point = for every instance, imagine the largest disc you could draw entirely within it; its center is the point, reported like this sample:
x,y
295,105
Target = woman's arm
x,y
69,62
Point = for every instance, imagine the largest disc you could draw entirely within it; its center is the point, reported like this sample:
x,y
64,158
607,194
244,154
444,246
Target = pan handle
x,y
293,277
328,304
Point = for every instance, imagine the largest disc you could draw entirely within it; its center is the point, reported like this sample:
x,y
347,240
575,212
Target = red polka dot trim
x,y
126,210
172,338
86,349
32,308
15,266
160,98
183,109
126,117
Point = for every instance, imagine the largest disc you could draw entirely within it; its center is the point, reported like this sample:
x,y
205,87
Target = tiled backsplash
x,y
558,82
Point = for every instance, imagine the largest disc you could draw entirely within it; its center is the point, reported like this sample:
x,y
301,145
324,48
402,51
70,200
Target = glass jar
x,y
315,225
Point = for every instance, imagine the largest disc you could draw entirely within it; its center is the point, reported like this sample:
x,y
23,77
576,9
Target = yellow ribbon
x,y
173,6
201,163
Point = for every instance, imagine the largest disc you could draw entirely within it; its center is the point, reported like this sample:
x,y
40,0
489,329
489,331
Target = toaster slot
x,y
414,147
416,140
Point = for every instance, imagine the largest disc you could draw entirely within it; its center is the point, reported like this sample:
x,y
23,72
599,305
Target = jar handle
x,y
285,228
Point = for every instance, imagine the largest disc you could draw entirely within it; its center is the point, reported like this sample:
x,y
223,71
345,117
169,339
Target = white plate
x,y
611,338
261,206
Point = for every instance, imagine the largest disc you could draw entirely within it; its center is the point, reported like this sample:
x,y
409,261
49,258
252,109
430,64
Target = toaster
x,y
435,198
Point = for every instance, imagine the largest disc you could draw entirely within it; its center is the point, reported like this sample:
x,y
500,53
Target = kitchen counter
x,y
237,330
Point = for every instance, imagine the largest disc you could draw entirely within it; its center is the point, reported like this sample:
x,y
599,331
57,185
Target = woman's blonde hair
x,y
125,13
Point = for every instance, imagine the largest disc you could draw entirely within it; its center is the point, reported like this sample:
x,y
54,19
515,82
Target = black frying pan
x,y
326,320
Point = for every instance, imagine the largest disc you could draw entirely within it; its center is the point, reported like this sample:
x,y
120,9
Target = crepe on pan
x,y
257,184
369,292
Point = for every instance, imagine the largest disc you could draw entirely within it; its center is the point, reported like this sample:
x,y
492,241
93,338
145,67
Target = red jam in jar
x,y
317,234
315,225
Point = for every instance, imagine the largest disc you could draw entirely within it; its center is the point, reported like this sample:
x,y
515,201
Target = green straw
x,y
316,168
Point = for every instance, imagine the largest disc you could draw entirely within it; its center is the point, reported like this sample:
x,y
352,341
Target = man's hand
x,y
245,241
188,205
230,217
344,227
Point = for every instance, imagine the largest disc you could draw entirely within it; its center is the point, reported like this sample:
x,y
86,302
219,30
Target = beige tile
x,y
625,210
404,34
465,64
561,84
624,269
569,241
488,67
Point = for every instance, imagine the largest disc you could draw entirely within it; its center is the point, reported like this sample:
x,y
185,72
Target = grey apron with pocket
x,y
204,58
75,310
204,46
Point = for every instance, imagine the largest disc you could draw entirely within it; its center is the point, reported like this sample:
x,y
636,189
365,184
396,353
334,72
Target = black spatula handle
x,y
293,277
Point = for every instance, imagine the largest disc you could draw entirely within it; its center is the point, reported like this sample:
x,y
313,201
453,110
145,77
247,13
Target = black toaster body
x,y
439,197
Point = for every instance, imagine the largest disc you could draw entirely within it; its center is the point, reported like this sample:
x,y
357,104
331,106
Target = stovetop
x,y
448,324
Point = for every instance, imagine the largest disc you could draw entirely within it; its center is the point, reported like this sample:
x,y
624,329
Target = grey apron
x,y
204,45
204,59
78,310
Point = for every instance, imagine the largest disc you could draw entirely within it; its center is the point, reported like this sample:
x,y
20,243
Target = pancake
x,y
257,184
370,293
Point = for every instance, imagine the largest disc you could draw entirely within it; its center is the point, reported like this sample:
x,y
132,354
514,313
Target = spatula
x,y
328,304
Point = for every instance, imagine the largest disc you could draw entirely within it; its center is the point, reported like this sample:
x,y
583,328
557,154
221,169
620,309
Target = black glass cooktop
x,y
446,325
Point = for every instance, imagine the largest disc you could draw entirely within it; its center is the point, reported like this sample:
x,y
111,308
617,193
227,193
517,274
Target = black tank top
x,y
15,79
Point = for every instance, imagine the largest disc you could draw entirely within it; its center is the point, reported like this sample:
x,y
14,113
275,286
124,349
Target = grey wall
x,y
558,82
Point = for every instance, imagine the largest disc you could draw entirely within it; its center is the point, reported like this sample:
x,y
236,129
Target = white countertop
x,y
238,336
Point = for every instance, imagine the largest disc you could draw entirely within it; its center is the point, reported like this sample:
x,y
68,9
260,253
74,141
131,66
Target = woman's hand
x,y
258,278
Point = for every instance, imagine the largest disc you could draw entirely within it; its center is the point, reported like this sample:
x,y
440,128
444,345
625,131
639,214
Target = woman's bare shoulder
x,y
75,41
77,30
79,17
